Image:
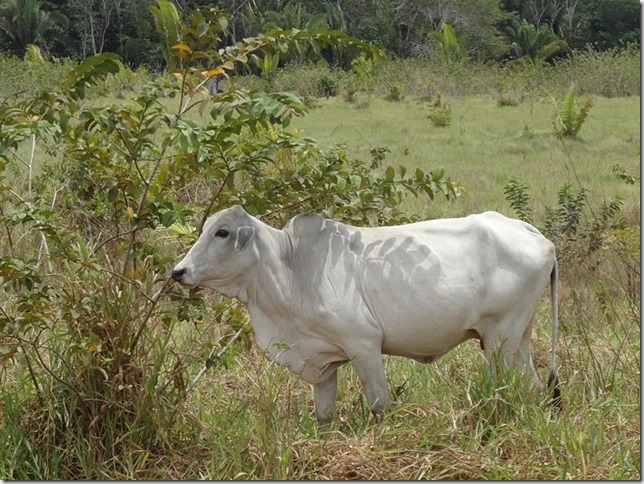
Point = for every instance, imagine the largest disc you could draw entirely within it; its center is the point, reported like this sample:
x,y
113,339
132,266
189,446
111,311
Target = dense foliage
x,y
488,28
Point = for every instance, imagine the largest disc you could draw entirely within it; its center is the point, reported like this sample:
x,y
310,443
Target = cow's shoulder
x,y
311,228
305,225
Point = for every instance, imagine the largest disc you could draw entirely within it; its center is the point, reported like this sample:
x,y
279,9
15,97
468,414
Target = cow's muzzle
x,y
177,274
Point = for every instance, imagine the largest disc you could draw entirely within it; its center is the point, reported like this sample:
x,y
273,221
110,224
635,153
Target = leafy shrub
x,y
609,73
516,192
122,83
620,173
598,250
571,116
310,79
328,85
577,233
19,79
351,89
440,116
359,79
395,93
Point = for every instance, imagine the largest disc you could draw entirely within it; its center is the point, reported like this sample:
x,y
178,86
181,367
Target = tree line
x,y
479,29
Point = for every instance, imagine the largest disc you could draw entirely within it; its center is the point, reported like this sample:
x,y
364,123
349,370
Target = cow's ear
x,y
244,236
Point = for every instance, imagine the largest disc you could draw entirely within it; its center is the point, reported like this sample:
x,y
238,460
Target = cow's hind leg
x,y
523,359
508,345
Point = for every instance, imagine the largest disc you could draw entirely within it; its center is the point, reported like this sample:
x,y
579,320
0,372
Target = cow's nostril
x,y
177,274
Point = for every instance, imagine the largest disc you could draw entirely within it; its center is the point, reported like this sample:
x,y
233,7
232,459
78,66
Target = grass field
x,y
248,418
486,145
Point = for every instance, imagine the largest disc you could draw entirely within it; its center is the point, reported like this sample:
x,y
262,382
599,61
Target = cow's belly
x,y
423,344
428,309
424,326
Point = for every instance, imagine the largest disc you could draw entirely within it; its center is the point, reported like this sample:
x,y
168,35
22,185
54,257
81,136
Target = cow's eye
x,y
222,233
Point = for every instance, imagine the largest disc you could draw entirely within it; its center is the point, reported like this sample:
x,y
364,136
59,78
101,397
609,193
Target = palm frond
x,y
168,24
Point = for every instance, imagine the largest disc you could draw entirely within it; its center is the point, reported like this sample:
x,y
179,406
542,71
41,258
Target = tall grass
x,y
19,78
613,73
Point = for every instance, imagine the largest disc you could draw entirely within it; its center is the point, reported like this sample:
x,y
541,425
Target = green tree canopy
x,y
24,22
131,28
538,44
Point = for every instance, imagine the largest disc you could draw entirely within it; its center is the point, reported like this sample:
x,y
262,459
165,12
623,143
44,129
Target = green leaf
x,y
89,72
420,175
437,174
112,194
390,173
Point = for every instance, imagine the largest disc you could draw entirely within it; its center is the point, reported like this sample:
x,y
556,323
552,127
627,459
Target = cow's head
x,y
224,254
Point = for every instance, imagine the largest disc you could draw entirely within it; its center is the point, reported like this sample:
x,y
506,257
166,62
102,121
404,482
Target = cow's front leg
x,y
371,372
325,393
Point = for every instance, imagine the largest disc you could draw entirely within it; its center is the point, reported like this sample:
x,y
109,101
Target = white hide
x,y
321,293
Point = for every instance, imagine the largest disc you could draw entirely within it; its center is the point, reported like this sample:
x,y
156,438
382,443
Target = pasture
x,y
248,418
487,144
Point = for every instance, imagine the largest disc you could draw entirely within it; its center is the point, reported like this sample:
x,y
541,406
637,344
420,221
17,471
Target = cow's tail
x,y
553,382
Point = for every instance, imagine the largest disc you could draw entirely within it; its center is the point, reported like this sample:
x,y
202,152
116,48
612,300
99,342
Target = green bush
x,y
328,85
310,79
578,231
20,79
571,115
440,117
599,249
360,79
123,83
395,93
611,73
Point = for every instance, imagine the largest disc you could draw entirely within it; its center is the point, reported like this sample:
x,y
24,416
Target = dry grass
x,y
364,458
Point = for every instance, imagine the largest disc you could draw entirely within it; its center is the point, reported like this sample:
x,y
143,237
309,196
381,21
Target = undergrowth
x,y
611,73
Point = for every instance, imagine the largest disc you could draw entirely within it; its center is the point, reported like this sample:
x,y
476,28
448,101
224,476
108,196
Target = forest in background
x,y
483,29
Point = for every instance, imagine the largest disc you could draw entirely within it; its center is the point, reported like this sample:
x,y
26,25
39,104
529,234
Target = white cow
x,y
322,293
